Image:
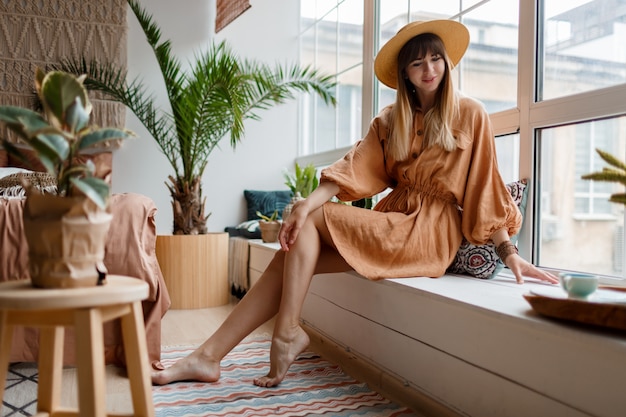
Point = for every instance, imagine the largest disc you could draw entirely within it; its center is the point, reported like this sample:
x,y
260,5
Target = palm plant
x,y
215,98
615,173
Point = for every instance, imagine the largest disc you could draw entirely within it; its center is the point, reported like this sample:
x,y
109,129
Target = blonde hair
x,y
438,120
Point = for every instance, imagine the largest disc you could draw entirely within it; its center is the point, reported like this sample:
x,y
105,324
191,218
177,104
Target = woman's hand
x,y
293,224
518,265
291,227
521,268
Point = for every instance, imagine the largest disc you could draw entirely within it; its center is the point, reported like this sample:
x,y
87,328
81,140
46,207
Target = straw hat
x,y
454,35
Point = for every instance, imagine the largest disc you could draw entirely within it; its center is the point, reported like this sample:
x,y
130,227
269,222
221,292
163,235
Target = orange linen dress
x,y
436,197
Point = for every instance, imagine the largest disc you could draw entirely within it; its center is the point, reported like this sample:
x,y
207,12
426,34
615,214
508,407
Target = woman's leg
x,y
255,308
260,304
312,252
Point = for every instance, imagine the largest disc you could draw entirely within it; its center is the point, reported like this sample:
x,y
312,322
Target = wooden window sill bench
x,y
458,345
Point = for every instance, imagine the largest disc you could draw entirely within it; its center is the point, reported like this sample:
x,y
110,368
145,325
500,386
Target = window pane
x,y
507,153
489,68
321,134
307,44
349,107
443,8
582,47
578,228
350,34
326,44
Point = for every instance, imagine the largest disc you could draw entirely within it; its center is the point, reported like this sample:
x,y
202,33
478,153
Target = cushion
x,y
11,183
481,261
266,202
103,162
248,229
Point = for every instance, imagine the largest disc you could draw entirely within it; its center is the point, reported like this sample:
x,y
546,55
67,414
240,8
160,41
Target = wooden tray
x,y
606,308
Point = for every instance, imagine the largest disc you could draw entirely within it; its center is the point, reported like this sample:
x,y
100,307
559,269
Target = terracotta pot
x,y
66,240
269,231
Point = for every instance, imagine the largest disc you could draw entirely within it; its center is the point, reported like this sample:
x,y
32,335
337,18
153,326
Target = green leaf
x,y
76,116
59,90
611,159
618,198
606,175
93,188
19,115
16,153
101,136
271,218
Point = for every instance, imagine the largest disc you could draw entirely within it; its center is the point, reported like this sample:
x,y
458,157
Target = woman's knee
x,y
319,222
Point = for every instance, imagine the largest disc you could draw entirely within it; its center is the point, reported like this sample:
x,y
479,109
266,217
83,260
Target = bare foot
x,y
194,367
283,353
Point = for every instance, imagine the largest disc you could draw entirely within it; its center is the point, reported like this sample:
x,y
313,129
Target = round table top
x,y
118,289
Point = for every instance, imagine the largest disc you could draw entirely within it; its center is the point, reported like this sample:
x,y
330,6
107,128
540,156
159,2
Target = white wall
x,y
267,32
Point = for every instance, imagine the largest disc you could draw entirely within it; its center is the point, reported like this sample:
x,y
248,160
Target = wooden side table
x,y
86,309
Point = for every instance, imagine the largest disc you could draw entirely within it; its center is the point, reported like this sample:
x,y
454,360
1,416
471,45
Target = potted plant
x,y
77,213
301,183
214,99
270,226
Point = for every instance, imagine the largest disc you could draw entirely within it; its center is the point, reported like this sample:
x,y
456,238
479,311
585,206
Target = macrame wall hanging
x,y
229,10
39,33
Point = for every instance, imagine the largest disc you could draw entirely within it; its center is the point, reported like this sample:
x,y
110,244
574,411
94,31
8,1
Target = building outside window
x,y
552,75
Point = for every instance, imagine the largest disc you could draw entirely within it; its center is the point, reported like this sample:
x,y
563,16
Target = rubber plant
x,y
66,231
61,134
213,99
616,172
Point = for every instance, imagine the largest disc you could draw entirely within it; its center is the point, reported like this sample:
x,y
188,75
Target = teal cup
x,y
578,285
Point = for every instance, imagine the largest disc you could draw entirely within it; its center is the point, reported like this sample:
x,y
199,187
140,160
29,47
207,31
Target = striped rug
x,y
312,387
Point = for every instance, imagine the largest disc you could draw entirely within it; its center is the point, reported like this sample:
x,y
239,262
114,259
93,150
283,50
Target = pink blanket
x,y
130,250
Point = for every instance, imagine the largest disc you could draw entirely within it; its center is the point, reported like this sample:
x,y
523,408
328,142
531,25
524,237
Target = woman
x,y
435,150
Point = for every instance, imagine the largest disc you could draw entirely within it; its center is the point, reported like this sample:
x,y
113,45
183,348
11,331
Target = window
x,y
578,108
551,73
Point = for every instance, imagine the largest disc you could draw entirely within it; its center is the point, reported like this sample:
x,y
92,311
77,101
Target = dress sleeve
x,y
361,172
488,205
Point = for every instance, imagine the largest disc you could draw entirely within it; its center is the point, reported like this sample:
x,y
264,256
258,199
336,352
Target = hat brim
x,y
454,35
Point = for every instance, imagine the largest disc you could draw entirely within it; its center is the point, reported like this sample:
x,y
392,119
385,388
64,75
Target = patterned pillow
x,y
11,185
481,261
266,202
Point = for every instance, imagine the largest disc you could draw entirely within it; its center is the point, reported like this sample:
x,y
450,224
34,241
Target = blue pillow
x,y
482,261
266,202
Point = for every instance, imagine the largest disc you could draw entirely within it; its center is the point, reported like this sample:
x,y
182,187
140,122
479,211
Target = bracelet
x,y
505,249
